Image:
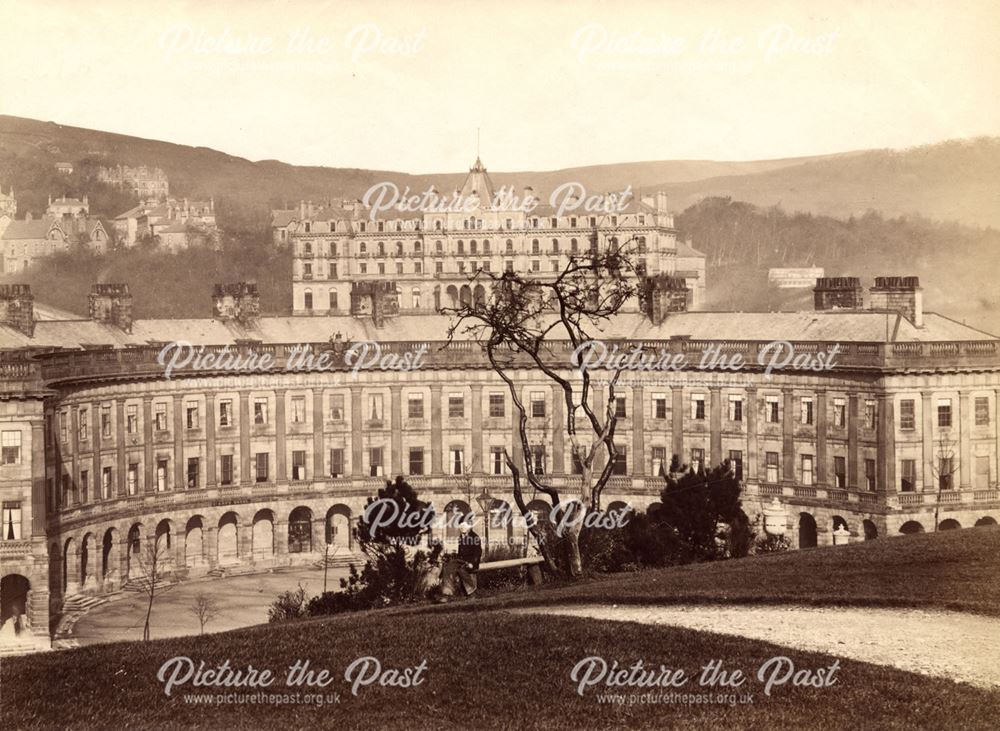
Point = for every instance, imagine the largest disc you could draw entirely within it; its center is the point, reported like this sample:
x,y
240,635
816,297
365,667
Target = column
x,y
280,538
965,417
149,484
821,455
122,488
318,422
396,435
436,446
180,483
38,480
677,421
477,429
853,462
96,487
210,544
558,466
885,474
638,433
210,457
715,425
74,476
788,436
357,440
280,469
927,421
750,471
245,477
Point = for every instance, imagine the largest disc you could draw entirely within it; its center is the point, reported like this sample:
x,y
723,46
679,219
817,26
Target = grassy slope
x,y
487,669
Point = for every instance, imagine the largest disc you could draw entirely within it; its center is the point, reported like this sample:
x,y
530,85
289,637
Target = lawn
x,y
492,669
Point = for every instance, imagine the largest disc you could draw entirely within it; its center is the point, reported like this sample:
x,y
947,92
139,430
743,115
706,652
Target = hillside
x,y
956,180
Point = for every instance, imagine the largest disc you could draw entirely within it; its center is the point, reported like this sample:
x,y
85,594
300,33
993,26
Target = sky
x,y
409,86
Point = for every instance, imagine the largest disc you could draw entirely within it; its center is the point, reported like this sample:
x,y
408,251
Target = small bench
x,y
532,562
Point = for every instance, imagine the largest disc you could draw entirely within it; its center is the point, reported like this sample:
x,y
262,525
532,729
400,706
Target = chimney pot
x,y
899,294
111,304
17,308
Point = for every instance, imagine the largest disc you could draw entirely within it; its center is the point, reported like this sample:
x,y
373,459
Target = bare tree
x,y
528,322
944,470
204,608
155,563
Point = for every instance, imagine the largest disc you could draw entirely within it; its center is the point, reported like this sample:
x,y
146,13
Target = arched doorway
x,y
949,524
338,528
910,527
88,561
479,295
807,531
133,553
14,594
110,555
451,296
465,295
263,536
871,532
71,566
194,542
500,524
454,513
228,549
300,530
985,521
163,547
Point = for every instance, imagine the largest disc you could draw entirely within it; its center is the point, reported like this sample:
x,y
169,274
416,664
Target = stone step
x,y
10,647
141,585
341,561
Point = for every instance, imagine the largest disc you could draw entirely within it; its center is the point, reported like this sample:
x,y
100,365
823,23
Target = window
x,y
415,406
944,413
307,298
697,459
261,460
840,412
736,463
982,411
659,406
771,462
982,474
773,412
908,475
107,476
83,431
298,409
336,407
870,482
192,416
106,422
10,447
11,520
161,475
457,462
260,411
907,417
871,414
538,459
840,472
496,405
736,408
538,404
620,410
132,479
496,460
337,462
946,473
375,462
298,464
375,406
620,466
416,461
131,418
226,412
84,485
806,411
62,426
456,406
333,292
192,472
226,462
698,406
807,469
659,465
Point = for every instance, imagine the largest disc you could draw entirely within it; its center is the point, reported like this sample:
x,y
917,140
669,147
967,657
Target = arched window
x,y
416,298
437,225
381,226
473,247
416,247
555,245
642,244
510,246
438,247
461,246
333,248
381,248
399,248
573,246
399,225
362,248
308,248
308,299
486,246
333,299
534,246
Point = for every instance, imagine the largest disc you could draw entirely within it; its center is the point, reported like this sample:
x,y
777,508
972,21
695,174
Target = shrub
x,y
771,544
290,605
502,579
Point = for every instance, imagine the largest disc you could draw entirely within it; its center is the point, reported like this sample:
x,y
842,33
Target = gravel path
x,y
951,645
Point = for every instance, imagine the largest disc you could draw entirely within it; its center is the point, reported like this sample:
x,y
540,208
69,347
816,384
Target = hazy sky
x,y
405,85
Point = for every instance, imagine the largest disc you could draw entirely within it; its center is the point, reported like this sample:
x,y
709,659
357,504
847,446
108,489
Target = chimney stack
x,y
111,304
662,294
17,308
238,301
661,202
899,294
838,293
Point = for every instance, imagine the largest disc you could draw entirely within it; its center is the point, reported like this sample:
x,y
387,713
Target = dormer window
x,y
572,222
362,226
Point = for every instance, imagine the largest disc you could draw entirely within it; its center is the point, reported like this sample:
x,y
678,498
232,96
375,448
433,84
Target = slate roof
x,y
37,228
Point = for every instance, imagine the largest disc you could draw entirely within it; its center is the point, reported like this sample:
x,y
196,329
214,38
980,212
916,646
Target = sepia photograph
x,y
523,365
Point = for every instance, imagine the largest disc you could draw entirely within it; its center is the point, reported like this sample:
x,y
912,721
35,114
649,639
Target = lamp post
x,y
485,501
